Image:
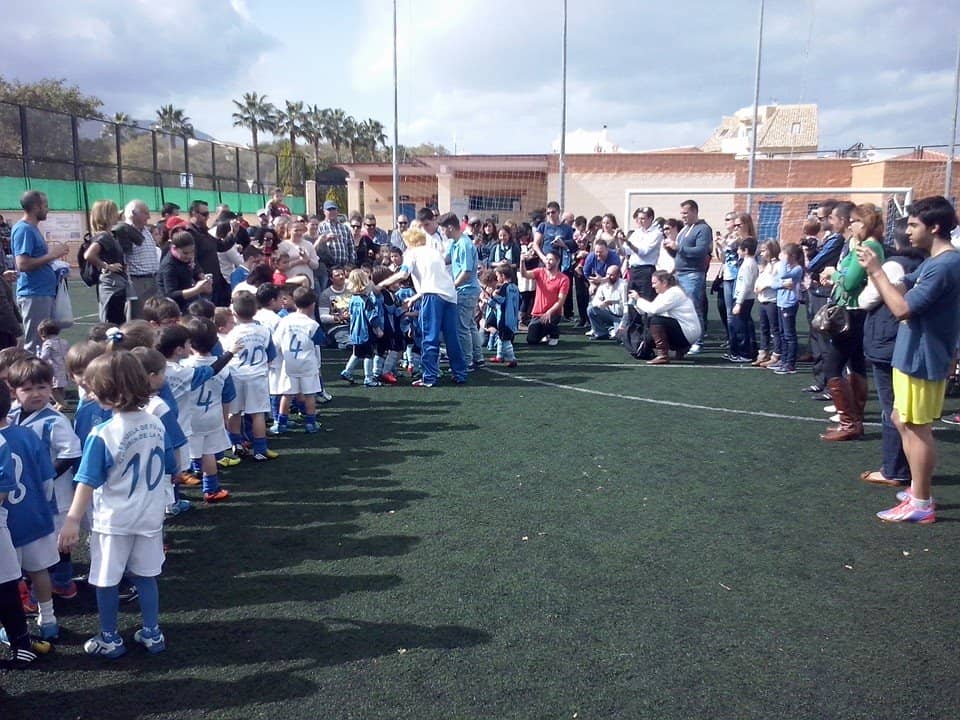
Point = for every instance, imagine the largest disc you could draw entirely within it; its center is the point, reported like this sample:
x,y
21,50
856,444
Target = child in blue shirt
x,y
787,284
365,327
30,508
504,302
409,304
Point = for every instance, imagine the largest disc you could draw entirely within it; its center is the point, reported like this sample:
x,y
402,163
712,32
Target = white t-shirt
x,y
298,337
123,461
429,272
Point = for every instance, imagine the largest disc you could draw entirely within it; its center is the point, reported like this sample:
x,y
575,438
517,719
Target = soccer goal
x,y
778,212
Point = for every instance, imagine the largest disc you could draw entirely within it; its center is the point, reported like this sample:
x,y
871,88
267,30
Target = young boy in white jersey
x,y
174,344
32,382
30,515
12,617
249,368
299,338
206,402
121,475
268,306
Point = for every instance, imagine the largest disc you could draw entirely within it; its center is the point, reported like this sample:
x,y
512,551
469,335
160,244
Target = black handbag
x,y
832,320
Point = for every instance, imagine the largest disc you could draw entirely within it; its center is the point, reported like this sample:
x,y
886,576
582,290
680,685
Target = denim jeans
x,y
788,336
467,332
729,290
770,327
742,330
894,461
602,321
694,285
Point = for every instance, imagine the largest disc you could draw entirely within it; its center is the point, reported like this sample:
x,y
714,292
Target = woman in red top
x,y
552,289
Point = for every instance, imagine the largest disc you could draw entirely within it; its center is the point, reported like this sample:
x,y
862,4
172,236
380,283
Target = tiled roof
x,y
776,127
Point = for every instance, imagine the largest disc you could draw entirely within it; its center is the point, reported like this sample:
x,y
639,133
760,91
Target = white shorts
x,y
309,385
273,377
209,443
9,562
253,396
112,555
41,554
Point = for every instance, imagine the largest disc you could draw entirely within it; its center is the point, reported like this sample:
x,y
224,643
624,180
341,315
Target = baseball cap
x,y
330,205
174,222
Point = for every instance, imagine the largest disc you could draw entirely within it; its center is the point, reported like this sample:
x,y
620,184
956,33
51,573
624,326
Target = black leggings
x,y
12,617
847,350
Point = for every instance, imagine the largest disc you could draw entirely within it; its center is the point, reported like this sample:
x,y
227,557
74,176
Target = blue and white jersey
x,y
173,437
363,318
89,414
257,353
506,305
8,478
30,506
123,460
206,402
53,429
268,318
299,339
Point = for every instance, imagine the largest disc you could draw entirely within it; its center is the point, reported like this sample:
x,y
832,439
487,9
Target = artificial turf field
x,y
582,537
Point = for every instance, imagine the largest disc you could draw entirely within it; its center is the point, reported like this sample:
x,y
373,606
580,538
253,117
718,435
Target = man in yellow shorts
x,y
926,302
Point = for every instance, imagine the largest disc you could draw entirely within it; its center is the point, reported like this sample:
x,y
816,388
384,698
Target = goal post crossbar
x,y
907,192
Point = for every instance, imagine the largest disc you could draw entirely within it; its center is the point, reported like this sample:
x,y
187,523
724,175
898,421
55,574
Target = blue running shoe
x,y
152,640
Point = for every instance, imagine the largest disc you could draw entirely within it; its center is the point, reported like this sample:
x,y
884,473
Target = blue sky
x,y
484,75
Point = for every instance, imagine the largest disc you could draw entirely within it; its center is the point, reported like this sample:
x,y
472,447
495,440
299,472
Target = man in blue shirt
x,y
462,256
37,282
926,306
556,235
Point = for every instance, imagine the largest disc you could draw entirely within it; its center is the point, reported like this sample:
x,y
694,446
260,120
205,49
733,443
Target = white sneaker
x,y
323,397
830,408
552,342
588,333
694,349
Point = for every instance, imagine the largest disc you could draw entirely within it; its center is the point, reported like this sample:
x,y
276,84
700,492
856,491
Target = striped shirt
x,y
143,259
341,245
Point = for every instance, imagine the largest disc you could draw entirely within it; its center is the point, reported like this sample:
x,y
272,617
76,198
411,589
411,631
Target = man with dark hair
x,y
462,256
37,281
925,302
642,248
554,235
693,247
207,247
178,277
428,222
834,218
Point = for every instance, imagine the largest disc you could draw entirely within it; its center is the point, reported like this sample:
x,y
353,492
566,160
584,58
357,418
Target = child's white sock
x,y
377,365
390,364
46,613
368,370
352,364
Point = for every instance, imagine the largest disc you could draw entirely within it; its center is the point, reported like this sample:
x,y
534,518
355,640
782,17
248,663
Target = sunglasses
x,y
370,224
403,223
356,227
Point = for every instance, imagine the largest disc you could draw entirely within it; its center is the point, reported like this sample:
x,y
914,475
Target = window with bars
x,y
494,203
768,220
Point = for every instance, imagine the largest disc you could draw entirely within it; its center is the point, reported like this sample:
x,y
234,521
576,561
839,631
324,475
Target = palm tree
x,y
373,135
256,114
290,121
173,120
351,134
334,122
312,130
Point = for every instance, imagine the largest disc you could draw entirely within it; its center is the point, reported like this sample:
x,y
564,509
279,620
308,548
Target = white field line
x,y
666,403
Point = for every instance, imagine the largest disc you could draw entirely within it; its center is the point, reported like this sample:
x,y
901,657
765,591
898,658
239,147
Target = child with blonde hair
x,y
364,327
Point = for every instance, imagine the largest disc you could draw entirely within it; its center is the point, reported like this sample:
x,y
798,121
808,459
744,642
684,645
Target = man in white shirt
x,y
607,306
143,260
642,249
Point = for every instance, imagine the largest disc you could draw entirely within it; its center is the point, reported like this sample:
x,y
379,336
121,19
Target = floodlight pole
x,y
948,186
396,114
563,112
756,110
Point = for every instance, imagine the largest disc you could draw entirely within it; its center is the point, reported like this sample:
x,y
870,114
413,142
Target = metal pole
x,y
396,115
563,113
756,111
948,186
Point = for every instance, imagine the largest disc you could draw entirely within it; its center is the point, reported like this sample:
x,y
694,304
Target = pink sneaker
x,y
908,512
496,360
905,495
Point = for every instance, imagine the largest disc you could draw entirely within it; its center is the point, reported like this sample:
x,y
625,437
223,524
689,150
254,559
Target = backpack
x,y
637,340
89,273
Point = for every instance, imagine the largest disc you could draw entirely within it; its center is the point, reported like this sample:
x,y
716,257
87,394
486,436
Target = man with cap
x,y
396,236
335,237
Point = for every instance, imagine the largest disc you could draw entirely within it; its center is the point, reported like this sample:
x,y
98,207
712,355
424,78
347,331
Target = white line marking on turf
x,y
667,403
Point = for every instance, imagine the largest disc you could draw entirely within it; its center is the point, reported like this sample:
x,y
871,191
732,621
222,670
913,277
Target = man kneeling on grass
x,y
925,301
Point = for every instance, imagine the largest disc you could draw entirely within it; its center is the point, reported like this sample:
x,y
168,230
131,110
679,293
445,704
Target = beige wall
x,y
598,193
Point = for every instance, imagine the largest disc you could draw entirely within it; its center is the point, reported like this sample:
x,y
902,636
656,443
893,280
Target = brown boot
x,y
661,344
774,359
860,389
761,358
851,425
